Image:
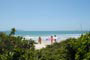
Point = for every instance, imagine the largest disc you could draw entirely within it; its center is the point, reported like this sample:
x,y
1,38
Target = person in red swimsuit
x,y
51,39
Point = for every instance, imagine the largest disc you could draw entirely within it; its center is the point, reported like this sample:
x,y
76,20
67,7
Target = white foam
x,y
59,37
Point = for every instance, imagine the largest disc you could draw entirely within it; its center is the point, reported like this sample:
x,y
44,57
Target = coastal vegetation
x,y
18,48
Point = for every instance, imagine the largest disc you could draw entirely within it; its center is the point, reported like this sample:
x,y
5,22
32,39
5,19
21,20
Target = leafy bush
x,y
18,48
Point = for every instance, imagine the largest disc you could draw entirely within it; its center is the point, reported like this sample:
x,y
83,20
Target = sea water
x,y
45,35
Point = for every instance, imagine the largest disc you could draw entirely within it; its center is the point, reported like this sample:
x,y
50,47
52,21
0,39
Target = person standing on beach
x,y
51,39
55,38
39,40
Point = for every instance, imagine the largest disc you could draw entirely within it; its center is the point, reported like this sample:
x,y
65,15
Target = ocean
x,y
61,35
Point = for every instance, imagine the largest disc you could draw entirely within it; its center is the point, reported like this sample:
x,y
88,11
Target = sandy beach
x,y
44,43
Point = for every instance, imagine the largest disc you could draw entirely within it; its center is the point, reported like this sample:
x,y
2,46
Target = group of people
x,y
52,39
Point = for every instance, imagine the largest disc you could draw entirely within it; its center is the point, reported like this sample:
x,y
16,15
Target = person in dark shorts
x,y
55,38
40,40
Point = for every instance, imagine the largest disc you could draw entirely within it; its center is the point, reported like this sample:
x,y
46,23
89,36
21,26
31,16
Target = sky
x,y
44,15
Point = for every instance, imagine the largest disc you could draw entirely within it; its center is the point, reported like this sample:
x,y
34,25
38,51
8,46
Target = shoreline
x,y
59,36
48,42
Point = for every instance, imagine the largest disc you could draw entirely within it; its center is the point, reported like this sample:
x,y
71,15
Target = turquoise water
x,y
46,33
61,35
